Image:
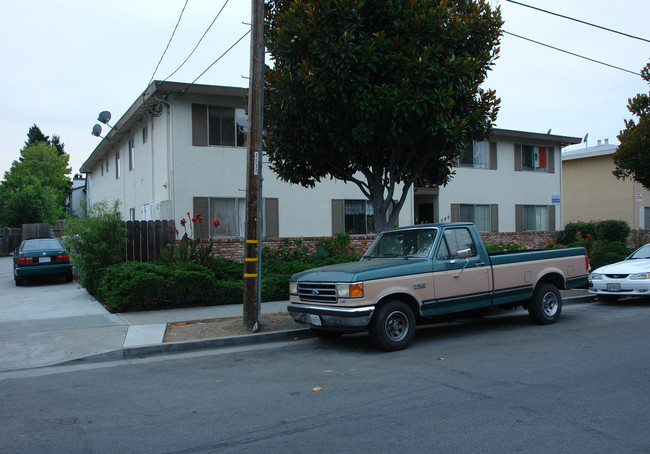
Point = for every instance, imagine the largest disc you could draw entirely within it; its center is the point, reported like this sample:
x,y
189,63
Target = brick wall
x,y
233,248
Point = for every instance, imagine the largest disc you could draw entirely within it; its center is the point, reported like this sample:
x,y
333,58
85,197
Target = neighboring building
x,y
182,147
593,193
76,197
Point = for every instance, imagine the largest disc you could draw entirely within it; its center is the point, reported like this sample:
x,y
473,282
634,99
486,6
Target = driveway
x,y
46,322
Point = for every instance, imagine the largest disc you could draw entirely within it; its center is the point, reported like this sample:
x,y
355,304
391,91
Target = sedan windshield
x,y
641,253
416,243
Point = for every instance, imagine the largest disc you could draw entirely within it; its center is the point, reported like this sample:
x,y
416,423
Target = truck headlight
x,y
638,276
293,288
349,290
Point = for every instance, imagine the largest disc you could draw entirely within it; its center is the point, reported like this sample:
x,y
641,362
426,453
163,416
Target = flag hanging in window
x,y
540,157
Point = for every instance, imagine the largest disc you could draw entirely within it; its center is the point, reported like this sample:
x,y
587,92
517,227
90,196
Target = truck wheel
x,y
546,304
393,326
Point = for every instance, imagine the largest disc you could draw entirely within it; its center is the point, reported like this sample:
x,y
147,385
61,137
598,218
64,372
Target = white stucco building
x,y
182,148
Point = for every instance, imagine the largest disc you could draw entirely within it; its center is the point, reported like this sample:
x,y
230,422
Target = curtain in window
x,y
482,155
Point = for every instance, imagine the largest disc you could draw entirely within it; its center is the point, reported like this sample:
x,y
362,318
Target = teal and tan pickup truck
x,y
416,273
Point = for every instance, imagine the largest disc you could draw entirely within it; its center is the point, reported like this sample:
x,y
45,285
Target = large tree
x,y
34,188
377,92
632,158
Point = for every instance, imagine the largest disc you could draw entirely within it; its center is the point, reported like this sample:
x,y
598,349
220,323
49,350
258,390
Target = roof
x,y
536,136
146,104
590,152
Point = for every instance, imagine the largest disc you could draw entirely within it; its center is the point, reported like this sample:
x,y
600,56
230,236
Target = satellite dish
x,y
586,137
104,117
97,131
549,131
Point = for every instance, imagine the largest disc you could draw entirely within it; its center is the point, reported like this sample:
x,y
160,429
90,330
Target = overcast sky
x,y
65,61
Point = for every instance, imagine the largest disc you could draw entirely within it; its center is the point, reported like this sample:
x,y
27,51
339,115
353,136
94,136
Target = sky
x,y
64,61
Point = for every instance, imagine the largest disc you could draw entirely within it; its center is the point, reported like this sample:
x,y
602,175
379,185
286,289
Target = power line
x,y
212,64
197,44
571,53
168,42
580,21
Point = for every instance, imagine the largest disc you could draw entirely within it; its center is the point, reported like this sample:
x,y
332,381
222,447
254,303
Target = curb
x,y
185,346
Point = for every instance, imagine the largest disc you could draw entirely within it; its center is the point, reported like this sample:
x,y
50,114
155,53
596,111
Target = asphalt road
x,y
494,385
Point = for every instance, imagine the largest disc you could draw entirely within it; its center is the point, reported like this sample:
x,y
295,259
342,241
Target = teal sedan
x,y
41,257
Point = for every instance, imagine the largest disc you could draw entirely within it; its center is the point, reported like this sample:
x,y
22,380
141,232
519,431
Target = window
x,y
478,214
535,218
477,155
231,214
117,165
455,240
359,217
534,159
102,168
131,154
131,214
222,126
646,218
108,169
145,134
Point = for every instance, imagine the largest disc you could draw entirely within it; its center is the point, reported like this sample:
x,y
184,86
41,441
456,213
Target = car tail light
x,y
63,258
25,260
587,267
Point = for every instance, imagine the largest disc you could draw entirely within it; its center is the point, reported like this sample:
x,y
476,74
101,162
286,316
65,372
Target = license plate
x,y
614,287
314,320
44,259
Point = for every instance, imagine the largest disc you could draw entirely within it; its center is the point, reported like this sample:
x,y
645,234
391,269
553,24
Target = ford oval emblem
x,y
314,292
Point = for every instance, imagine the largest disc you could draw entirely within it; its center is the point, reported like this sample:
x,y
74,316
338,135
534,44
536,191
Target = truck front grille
x,y
317,292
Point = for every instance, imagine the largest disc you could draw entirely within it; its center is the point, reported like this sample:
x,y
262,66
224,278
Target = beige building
x,y
592,193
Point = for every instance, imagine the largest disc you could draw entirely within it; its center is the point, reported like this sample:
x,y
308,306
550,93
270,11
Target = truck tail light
x,y
587,267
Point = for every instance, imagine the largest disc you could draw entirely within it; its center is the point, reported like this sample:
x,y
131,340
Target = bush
x,y
611,230
95,242
607,252
133,286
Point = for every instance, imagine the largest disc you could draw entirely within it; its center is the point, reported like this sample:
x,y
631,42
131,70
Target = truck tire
x,y
546,304
393,326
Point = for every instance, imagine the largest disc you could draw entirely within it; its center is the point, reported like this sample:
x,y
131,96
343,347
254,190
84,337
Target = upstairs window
x,y
220,126
131,154
477,155
531,158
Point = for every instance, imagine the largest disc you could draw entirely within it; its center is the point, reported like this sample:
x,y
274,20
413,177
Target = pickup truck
x,y
413,274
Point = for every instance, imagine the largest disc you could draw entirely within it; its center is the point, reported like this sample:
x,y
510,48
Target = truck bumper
x,y
333,318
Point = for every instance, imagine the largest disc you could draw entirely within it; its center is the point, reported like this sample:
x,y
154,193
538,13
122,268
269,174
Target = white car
x,y
630,277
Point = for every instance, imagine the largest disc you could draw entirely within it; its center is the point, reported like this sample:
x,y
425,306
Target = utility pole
x,y
253,246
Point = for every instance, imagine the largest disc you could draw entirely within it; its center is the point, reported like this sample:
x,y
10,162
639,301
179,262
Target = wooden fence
x,y
146,238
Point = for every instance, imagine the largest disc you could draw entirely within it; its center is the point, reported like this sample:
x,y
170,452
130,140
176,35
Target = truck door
x,y
462,277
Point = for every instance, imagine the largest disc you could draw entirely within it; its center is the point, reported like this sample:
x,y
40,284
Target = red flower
x,y
578,232
195,220
183,222
188,213
200,218
588,235
216,223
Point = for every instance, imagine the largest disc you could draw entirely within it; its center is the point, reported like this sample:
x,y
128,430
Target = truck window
x,y
454,240
403,244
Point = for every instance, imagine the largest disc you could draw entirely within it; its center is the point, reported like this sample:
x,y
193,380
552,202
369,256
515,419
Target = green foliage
x,y
553,245
189,249
610,230
388,90
288,250
607,252
226,269
95,241
134,286
503,246
34,188
632,157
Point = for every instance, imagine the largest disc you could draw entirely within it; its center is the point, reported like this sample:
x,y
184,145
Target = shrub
x,y
639,238
226,269
612,231
133,286
288,251
607,252
95,241
498,247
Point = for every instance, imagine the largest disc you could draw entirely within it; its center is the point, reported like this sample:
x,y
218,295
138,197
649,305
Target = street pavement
x,y
54,322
